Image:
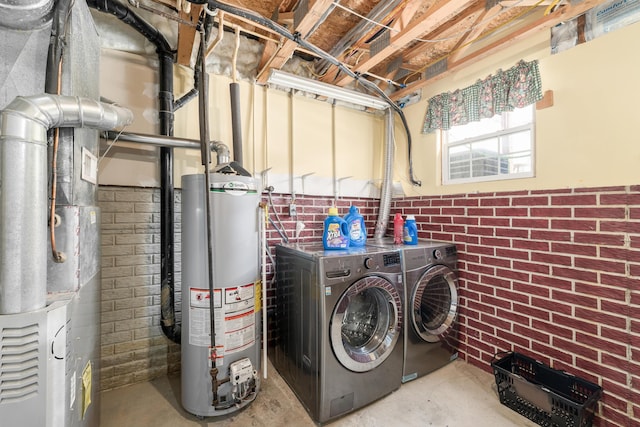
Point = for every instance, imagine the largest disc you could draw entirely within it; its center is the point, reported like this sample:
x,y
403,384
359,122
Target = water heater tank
x,y
234,211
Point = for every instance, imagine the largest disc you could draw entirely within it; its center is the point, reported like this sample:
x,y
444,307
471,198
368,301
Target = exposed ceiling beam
x,y
187,35
478,27
437,15
283,54
562,14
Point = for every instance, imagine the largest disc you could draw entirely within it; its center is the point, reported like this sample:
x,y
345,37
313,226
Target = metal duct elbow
x,y
222,152
25,14
23,188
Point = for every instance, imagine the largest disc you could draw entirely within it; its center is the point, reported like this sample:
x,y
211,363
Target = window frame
x,y
445,147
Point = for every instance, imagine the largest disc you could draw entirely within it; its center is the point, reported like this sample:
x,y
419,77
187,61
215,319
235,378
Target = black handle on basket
x,y
500,353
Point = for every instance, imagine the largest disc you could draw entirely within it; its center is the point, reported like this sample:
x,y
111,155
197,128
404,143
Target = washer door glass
x,y
434,302
366,323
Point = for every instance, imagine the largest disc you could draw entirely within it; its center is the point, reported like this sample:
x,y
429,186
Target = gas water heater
x,y
234,212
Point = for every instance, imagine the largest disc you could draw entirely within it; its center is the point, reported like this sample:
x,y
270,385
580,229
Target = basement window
x,y
496,148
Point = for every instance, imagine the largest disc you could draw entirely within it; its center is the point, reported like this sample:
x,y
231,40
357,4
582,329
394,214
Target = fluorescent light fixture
x,y
292,81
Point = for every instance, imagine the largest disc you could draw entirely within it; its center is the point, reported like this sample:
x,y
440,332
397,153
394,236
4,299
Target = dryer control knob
x,y
368,263
437,254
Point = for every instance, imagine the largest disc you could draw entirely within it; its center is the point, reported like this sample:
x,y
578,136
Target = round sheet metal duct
x,y
25,14
23,188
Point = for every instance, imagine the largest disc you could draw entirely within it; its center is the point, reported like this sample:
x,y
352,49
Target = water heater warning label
x,y
234,315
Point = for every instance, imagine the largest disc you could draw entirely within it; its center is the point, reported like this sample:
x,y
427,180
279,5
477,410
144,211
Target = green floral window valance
x,y
516,87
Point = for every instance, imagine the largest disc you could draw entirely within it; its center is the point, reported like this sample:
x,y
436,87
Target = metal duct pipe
x,y
387,181
169,141
25,14
236,124
23,190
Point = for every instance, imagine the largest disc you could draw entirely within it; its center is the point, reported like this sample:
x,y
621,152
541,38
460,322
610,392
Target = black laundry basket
x,y
544,395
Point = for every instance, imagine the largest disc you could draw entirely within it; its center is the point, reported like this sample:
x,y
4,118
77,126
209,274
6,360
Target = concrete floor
x,y
457,395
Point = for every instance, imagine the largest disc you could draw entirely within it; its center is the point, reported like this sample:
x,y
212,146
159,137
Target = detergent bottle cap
x,y
333,211
411,218
353,209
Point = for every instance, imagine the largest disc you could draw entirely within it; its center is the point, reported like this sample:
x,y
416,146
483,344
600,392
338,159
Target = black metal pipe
x,y
165,99
236,123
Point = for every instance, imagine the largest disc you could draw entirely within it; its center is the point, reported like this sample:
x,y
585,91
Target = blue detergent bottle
x,y
410,235
356,227
336,234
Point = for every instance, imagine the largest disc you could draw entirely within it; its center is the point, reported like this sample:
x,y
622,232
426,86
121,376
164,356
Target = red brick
x,y
599,239
495,321
616,362
441,202
498,262
465,220
481,249
529,289
551,212
453,229
532,311
575,323
634,213
617,226
582,199
513,338
554,236
512,232
531,267
530,223
613,418
483,308
573,224
573,298
574,249
512,296
574,348
551,353
512,212
618,335
609,189
620,254
534,333
445,237
513,275
614,199
495,222
572,273
514,317
482,326
551,258
600,265
481,269
552,329
499,201
425,211
599,212
509,253
552,306
601,318
495,302
490,241
530,201
480,231
465,202
496,282
468,239
556,191
530,245
599,290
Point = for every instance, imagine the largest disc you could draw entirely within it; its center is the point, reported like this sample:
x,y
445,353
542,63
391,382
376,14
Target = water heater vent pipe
x,y
23,188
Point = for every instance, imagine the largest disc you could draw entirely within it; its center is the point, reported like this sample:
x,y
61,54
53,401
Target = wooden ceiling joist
x,y
564,13
283,54
187,35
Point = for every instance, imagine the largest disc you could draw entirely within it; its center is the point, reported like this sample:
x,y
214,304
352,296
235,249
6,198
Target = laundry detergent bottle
x,y
410,235
356,227
336,234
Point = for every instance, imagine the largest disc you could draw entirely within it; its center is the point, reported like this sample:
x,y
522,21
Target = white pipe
x,y
23,188
263,225
387,180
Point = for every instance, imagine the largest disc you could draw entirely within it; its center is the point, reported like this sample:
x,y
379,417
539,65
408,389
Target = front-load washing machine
x,y
337,326
431,284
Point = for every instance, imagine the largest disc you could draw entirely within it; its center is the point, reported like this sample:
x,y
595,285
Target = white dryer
x,y
338,326
431,285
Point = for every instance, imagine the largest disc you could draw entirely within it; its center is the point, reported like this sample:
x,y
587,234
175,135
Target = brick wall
x,y
133,348
551,274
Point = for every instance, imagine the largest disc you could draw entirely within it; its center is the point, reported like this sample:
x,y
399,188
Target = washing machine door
x,y
434,302
366,323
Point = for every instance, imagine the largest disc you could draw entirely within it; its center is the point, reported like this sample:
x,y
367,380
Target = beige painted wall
x,y
587,138
295,143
